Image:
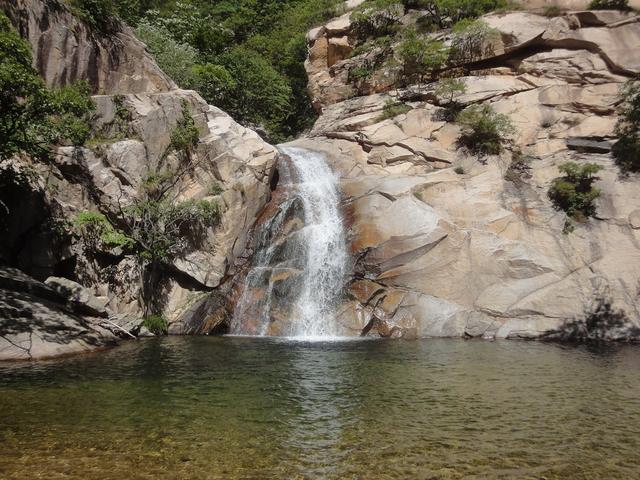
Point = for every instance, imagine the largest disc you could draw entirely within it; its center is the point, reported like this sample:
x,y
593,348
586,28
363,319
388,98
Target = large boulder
x,y
35,322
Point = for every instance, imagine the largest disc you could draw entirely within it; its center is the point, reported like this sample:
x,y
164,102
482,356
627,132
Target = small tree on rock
x,y
483,130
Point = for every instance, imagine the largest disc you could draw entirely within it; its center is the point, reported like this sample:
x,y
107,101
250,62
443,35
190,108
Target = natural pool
x,y
226,408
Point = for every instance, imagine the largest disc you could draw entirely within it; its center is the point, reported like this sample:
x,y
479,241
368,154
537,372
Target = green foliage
x,y
177,59
99,14
261,94
450,89
375,18
445,13
245,56
185,135
163,230
156,324
359,73
32,117
574,192
553,11
215,189
472,41
214,82
392,109
98,233
609,5
421,57
626,150
483,130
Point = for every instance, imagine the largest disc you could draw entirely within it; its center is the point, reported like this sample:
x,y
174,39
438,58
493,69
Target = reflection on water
x,y
224,408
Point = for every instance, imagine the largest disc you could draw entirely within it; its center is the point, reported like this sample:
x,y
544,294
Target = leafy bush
x,y
574,192
176,59
472,41
421,57
375,18
185,135
626,150
444,13
99,14
98,233
553,11
156,324
450,89
609,5
261,94
392,109
32,117
359,73
483,130
214,82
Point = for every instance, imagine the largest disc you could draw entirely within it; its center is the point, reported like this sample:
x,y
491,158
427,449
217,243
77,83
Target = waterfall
x,y
296,279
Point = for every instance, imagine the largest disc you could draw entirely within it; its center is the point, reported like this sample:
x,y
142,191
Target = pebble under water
x,y
248,408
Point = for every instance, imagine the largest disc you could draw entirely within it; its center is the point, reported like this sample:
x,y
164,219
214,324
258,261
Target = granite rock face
x,y
36,322
482,252
65,50
138,108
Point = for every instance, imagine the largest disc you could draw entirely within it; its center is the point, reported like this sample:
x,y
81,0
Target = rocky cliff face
x,y
65,49
483,253
138,109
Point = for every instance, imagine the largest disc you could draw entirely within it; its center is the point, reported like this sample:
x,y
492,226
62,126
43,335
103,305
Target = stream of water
x,y
314,257
196,408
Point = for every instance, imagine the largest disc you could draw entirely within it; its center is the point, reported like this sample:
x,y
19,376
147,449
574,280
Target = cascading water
x,y
299,267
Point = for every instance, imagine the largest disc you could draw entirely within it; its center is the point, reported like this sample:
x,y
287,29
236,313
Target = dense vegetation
x,y
574,192
626,150
244,56
33,117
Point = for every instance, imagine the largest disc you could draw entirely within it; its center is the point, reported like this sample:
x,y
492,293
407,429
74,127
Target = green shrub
x,y
449,89
375,18
472,41
185,135
176,59
626,150
553,11
156,324
392,109
98,233
420,57
216,189
32,117
359,73
483,130
99,14
444,13
213,82
574,192
609,5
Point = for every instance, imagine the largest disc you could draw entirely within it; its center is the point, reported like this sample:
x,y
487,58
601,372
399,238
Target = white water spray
x,y
320,242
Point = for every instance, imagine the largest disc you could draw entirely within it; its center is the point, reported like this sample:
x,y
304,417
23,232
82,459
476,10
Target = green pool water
x,y
243,408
